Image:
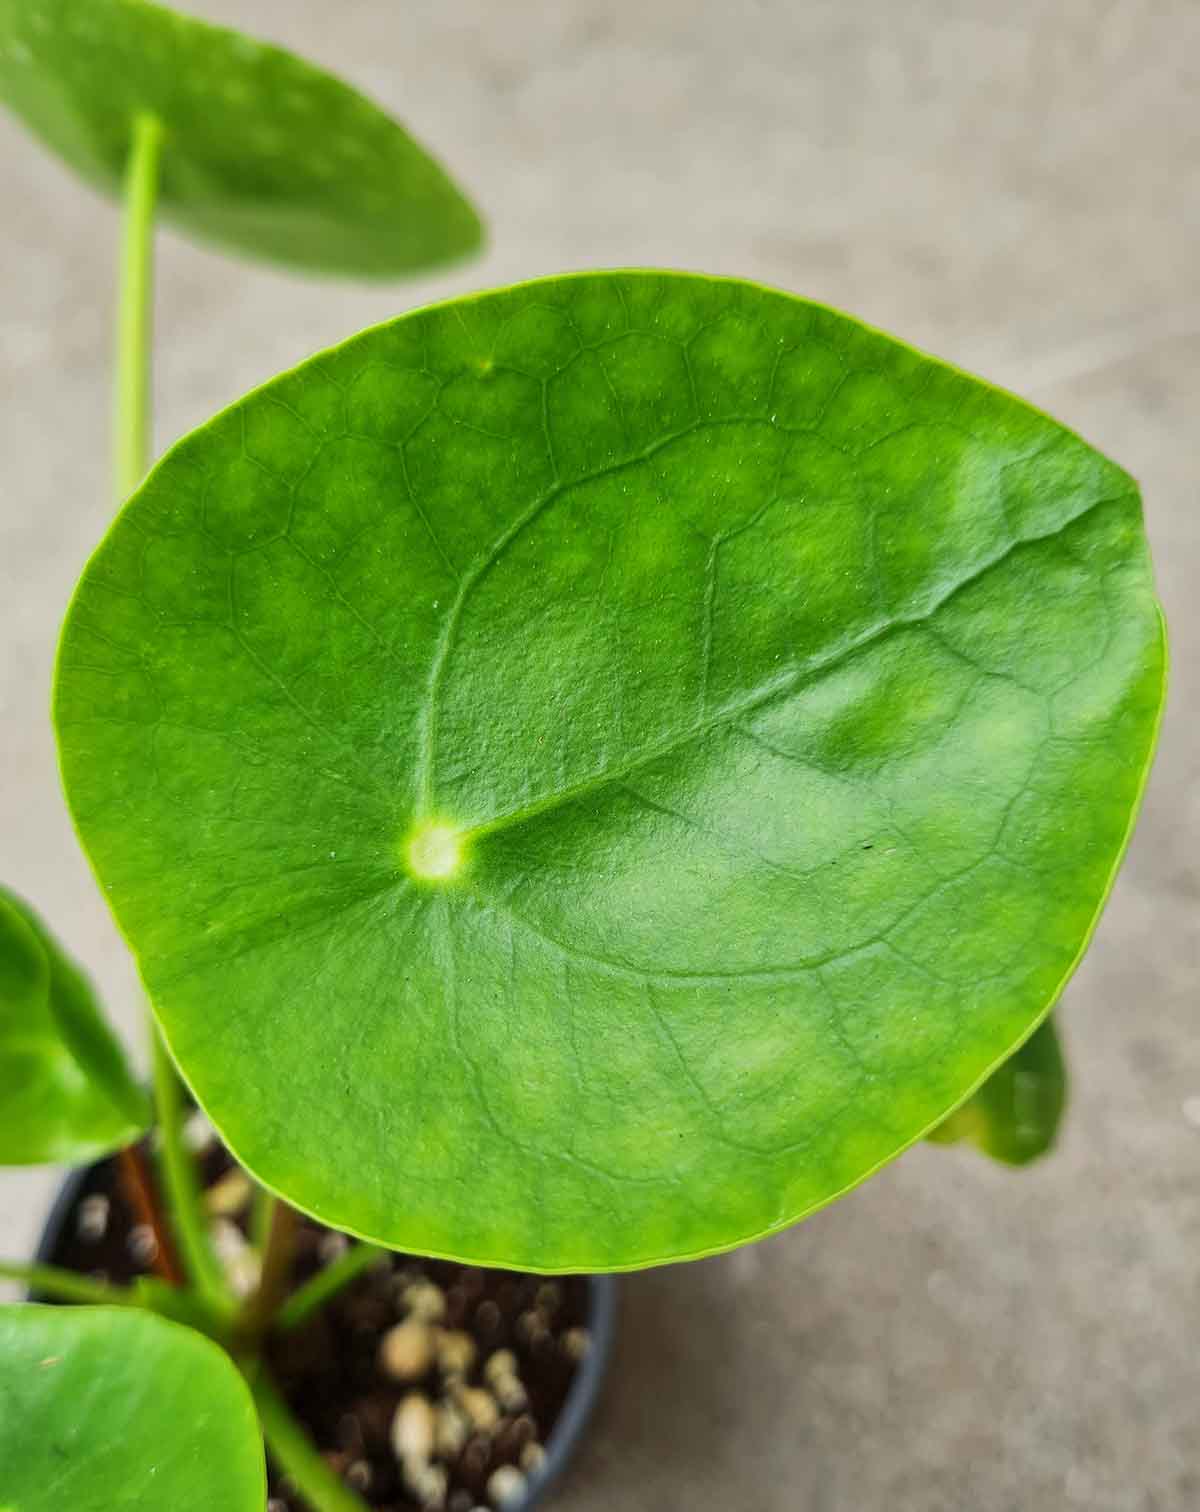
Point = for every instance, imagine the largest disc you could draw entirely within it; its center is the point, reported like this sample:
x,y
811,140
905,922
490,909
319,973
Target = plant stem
x,y
180,1178
260,1309
142,1196
326,1284
261,1213
135,310
295,1455
67,1286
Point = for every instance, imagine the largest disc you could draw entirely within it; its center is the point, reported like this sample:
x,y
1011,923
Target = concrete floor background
x,y
1015,187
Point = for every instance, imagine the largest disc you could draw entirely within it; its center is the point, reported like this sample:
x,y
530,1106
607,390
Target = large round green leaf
x,y
263,152
591,771
104,1408
66,1092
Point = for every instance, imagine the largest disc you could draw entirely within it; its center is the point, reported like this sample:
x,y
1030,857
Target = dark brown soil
x,y
331,1370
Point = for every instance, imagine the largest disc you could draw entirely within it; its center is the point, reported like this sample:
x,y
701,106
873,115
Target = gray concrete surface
x,y
1015,187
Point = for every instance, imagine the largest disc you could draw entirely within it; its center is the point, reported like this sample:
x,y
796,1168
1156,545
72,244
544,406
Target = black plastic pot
x,y
581,1399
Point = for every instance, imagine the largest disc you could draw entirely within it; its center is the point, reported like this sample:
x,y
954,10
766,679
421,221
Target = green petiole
x,y
68,1286
295,1455
135,311
181,1180
326,1284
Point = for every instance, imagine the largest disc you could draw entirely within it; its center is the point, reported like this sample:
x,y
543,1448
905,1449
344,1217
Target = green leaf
x,y
591,771
68,1092
1014,1116
104,1407
264,153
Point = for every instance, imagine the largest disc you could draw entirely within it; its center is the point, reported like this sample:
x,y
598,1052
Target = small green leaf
x,y
68,1092
103,1408
1014,1116
264,153
592,770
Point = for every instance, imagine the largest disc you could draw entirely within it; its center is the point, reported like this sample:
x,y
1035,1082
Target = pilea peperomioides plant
x,y
642,747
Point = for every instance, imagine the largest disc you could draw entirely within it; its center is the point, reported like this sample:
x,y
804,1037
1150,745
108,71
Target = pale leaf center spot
x,y
434,852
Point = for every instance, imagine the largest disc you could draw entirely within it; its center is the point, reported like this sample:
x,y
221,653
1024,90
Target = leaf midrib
x,y
784,683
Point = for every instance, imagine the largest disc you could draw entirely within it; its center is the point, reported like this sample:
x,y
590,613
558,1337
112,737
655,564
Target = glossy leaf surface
x,y
263,152
1014,1117
104,1408
591,771
66,1093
